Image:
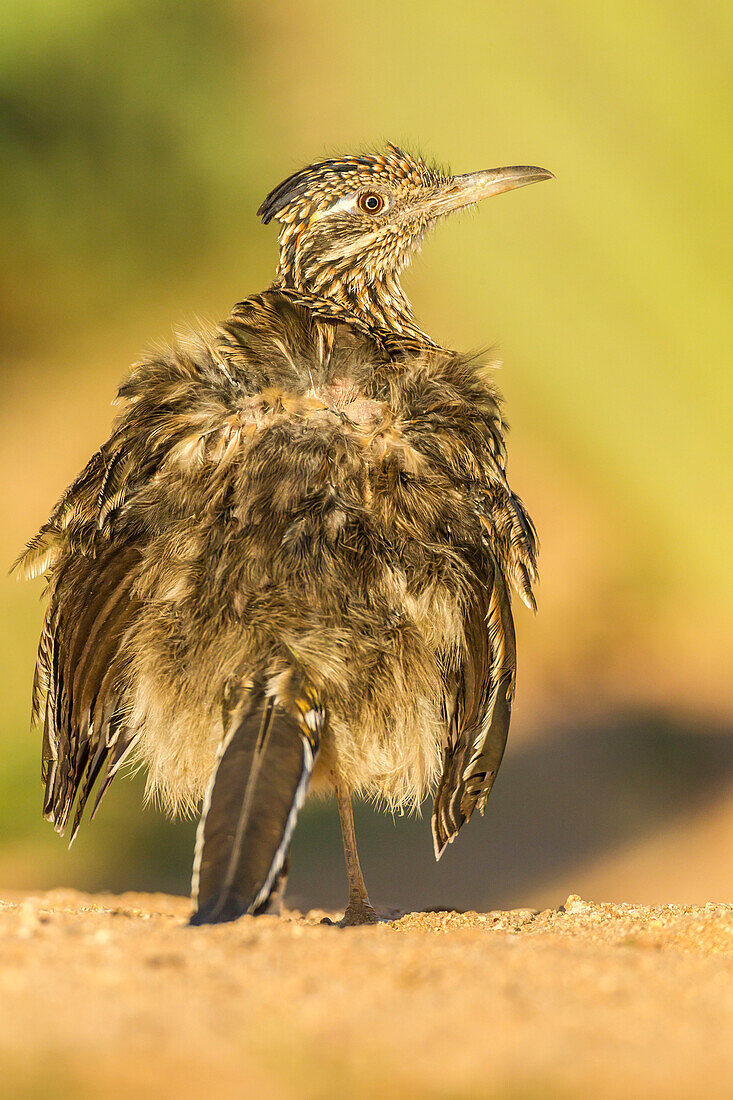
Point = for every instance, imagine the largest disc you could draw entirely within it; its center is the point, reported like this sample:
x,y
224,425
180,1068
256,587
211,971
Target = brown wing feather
x,y
458,425
92,608
479,725
91,548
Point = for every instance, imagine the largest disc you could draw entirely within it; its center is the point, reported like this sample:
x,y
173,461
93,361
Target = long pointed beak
x,y
474,186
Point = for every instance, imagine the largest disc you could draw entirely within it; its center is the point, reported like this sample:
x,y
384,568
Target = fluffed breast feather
x,y
284,495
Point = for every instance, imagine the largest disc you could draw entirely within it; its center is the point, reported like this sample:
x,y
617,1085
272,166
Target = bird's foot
x,y
359,911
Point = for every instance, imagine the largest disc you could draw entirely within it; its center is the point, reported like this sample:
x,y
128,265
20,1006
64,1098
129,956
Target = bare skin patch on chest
x,y
343,396
339,404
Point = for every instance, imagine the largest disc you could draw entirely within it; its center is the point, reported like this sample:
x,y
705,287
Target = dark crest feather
x,y
306,181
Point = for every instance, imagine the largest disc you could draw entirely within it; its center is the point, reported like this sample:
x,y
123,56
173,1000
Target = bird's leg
x,y
359,910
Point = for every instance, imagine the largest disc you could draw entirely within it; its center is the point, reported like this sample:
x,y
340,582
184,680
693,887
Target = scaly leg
x,y
359,910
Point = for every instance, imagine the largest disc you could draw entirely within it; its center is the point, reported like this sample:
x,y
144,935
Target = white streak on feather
x,y
282,850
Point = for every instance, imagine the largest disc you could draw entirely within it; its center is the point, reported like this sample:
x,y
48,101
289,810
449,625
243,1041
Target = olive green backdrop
x,y
137,141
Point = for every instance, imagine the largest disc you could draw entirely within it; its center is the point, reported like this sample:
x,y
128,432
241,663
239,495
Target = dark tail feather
x,y
250,810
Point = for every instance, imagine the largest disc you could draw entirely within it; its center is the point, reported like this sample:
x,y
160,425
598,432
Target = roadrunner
x,y
289,567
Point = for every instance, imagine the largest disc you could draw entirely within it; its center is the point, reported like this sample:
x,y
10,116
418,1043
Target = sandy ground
x,y
115,996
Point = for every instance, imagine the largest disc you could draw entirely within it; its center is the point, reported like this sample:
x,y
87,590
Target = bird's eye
x,y
371,202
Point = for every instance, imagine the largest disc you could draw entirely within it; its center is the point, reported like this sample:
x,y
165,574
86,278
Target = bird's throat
x,y
380,305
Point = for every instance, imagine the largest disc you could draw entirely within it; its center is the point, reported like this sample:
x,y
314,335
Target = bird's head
x,y
349,225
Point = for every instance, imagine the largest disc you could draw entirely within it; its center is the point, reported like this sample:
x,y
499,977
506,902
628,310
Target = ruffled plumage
x,y
309,501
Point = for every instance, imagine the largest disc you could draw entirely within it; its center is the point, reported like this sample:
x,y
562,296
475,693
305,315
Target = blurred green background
x,y
137,141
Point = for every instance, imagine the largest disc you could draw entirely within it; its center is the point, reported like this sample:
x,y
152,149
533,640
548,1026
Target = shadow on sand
x,y
558,803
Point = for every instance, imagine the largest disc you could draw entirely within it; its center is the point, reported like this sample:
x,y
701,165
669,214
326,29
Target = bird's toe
x,y
359,911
